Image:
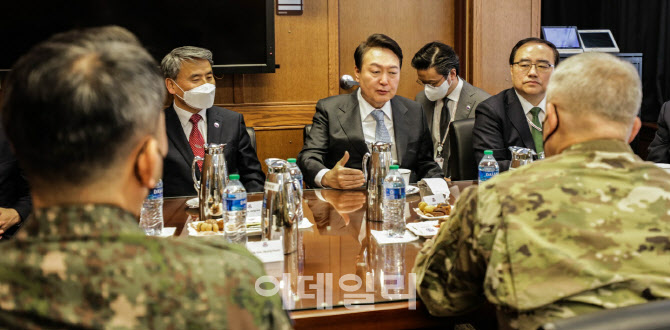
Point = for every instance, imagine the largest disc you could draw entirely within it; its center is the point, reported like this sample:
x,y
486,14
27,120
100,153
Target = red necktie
x,y
195,139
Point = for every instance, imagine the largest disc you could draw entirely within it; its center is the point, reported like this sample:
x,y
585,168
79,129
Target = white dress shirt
x,y
369,128
187,126
527,106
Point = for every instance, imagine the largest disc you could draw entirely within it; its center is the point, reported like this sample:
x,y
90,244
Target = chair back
x,y
462,162
252,136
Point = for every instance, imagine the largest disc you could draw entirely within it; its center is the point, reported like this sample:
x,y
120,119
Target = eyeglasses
x,y
435,84
541,67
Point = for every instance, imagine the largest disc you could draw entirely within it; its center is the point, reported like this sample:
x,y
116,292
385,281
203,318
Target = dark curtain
x,y
638,26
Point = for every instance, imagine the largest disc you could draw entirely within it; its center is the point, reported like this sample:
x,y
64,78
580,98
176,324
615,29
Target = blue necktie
x,y
381,133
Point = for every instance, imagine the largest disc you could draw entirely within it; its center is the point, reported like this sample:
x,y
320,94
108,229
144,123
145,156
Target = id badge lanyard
x,y
438,153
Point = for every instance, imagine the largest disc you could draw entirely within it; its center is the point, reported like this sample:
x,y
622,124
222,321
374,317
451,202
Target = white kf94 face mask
x,y
436,93
201,97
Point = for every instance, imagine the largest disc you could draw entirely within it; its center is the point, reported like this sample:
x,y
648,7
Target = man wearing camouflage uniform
x,y
584,230
83,113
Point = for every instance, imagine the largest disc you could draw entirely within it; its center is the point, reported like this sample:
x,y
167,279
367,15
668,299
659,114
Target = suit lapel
x,y
400,127
214,126
466,102
350,121
176,135
518,119
429,110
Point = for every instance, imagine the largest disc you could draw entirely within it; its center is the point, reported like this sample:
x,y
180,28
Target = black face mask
x,y
544,142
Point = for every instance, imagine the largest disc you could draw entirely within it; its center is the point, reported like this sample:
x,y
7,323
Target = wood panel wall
x,y
316,48
492,28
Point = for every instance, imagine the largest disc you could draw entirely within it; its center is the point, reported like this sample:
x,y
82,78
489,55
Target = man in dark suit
x,y
342,124
446,97
15,200
514,116
659,149
192,121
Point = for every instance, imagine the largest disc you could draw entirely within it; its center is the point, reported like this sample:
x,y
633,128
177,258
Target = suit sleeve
x,y
24,203
487,134
659,149
449,268
251,173
311,159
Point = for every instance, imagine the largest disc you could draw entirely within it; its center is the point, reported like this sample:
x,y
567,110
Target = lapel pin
x,y
468,107
216,124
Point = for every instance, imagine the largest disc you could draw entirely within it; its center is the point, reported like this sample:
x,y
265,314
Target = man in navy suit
x,y
514,116
192,121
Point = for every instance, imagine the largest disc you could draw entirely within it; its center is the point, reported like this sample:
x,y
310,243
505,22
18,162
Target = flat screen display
x,y
240,34
562,36
597,39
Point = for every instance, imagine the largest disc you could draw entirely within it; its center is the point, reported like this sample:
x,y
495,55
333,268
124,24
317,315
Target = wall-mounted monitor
x,y
240,33
598,41
565,38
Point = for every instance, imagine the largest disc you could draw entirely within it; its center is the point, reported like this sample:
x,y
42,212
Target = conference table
x,y
340,276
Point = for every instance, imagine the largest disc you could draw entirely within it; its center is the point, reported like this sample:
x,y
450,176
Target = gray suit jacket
x,y
337,128
470,97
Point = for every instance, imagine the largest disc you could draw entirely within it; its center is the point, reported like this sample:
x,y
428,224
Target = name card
x,y
434,199
267,251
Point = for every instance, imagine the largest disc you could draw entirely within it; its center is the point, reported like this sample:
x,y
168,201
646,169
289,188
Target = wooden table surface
x,y
340,276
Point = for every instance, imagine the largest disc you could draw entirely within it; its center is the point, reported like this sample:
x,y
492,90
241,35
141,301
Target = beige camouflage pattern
x,y
581,231
90,266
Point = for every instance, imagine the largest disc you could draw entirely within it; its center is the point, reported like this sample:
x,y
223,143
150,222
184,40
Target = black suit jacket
x,y
337,128
659,149
499,124
223,126
14,189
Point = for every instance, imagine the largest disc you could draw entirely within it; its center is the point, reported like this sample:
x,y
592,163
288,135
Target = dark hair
x,y
436,55
72,109
376,40
533,40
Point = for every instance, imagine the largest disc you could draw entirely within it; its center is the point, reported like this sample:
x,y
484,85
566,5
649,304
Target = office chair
x,y
462,162
252,135
305,132
648,316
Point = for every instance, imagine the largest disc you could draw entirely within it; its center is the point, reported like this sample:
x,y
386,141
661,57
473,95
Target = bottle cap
x,y
291,160
234,176
488,152
393,167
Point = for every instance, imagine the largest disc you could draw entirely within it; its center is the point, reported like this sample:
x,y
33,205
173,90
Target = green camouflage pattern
x,y
585,230
90,266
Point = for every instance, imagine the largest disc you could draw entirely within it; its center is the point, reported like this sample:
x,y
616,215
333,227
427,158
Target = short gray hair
x,y
171,63
599,84
74,106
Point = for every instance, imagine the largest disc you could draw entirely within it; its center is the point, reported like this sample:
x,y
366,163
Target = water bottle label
x,y
394,193
156,192
485,175
271,186
233,204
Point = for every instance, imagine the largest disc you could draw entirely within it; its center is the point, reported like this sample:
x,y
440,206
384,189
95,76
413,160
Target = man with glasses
x,y
445,97
514,116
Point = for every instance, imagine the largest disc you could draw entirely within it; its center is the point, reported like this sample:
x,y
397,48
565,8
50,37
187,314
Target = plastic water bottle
x,y
488,166
235,197
394,203
151,216
295,170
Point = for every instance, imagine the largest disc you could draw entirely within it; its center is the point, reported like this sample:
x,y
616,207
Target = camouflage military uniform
x,y
585,230
90,266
